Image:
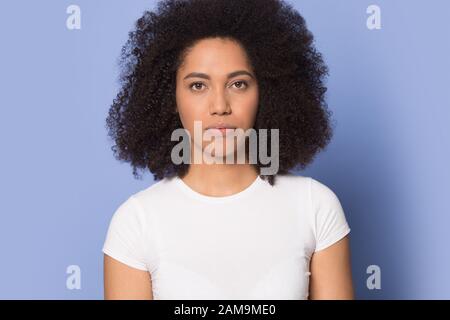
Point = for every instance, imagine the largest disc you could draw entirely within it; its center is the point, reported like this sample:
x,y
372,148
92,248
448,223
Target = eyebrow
x,y
229,76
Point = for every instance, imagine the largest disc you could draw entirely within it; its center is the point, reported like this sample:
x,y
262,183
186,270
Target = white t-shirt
x,y
255,244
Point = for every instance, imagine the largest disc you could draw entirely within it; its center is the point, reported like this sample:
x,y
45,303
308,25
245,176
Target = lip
x,y
221,126
224,128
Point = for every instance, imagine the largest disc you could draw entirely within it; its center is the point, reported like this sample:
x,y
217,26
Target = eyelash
x,y
241,81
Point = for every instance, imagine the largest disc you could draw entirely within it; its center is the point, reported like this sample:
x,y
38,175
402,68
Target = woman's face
x,y
215,85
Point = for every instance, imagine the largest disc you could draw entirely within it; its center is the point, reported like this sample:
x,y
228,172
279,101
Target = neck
x,y
220,179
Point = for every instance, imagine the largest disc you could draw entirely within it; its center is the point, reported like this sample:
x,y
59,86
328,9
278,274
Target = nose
x,y
219,104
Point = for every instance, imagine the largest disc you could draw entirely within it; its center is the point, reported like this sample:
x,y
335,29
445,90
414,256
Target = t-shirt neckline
x,y
213,199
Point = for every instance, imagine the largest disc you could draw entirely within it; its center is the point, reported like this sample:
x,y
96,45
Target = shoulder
x,y
307,188
134,207
313,195
290,181
146,205
158,193
133,217
313,185
321,194
330,222
127,214
160,188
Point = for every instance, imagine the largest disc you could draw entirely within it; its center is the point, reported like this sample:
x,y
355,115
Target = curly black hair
x,y
289,69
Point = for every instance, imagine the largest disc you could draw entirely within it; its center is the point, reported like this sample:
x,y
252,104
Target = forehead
x,y
214,55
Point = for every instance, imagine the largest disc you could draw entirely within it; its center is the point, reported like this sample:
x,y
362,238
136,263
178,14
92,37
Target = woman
x,y
224,230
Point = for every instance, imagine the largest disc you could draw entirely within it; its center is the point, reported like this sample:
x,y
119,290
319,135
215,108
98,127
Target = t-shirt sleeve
x,y
124,236
329,219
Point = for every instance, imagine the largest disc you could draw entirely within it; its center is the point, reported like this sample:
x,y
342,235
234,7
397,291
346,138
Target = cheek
x,y
188,115
247,113
187,110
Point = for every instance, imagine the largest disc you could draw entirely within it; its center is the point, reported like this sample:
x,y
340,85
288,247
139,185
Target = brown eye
x,y
196,85
241,84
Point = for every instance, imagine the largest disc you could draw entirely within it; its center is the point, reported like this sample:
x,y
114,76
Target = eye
x,y
196,85
241,84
